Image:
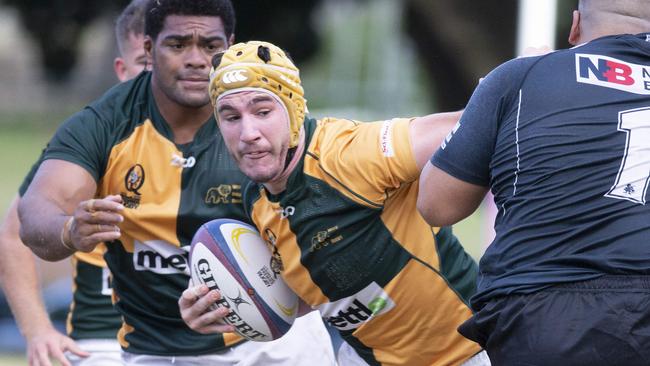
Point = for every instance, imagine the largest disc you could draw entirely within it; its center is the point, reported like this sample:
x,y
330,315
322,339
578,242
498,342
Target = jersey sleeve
x,y
83,139
369,158
467,151
30,175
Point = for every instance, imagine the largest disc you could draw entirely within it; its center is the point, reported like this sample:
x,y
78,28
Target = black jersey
x,y
563,140
169,191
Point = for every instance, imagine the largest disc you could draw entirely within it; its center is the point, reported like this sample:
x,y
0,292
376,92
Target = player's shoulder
x,y
123,102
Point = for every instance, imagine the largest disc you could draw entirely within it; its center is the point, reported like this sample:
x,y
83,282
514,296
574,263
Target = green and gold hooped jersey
x,y
91,314
351,243
169,191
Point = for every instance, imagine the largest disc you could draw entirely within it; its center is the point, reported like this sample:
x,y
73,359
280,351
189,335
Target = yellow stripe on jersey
x,y
122,333
365,158
436,338
96,257
297,277
408,227
230,339
68,322
157,201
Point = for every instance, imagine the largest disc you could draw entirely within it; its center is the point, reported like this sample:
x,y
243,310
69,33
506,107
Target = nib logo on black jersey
x,y
612,73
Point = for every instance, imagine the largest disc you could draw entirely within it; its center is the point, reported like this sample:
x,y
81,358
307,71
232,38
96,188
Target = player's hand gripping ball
x,y
231,257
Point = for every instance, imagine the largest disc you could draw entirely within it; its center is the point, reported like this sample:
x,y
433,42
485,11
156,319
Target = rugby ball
x,y
231,257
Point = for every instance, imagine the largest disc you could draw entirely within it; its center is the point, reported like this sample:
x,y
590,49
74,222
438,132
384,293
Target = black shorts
x,y
605,321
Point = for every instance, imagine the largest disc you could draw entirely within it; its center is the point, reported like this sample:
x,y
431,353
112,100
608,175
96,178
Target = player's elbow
x,y
432,214
27,229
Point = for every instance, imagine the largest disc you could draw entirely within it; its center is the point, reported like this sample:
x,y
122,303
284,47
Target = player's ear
x,y
574,33
148,48
120,68
231,40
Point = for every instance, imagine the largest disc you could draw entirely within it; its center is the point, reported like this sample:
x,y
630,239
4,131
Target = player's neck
x,y
183,121
279,184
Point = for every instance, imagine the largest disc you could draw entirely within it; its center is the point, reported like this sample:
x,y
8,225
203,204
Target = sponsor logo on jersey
x,y
223,194
353,311
286,211
612,73
182,162
324,239
386,139
206,276
133,181
161,257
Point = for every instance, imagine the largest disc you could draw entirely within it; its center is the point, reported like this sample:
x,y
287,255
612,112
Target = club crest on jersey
x,y
133,181
223,194
276,260
325,238
612,73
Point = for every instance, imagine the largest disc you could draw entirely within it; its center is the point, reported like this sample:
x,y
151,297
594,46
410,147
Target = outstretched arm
x,y
428,132
20,284
59,215
444,200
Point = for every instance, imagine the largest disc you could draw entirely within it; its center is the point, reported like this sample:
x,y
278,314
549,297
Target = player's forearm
x,y
19,278
42,223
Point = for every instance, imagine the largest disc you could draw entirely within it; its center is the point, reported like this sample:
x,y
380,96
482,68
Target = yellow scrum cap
x,y
261,65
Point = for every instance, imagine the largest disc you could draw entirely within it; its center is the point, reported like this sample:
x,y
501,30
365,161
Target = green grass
x,y
13,360
21,142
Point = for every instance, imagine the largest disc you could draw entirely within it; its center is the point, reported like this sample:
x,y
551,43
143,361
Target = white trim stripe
x,y
514,184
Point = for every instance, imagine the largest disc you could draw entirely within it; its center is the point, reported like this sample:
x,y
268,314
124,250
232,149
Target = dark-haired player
x,y
563,142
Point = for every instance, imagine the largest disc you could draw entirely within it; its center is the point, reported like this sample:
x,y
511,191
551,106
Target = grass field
x,y
12,360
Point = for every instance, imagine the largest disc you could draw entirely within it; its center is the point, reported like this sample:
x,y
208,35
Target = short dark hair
x,y
158,10
130,21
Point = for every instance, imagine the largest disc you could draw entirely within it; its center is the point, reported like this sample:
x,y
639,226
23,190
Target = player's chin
x,y
194,98
259,174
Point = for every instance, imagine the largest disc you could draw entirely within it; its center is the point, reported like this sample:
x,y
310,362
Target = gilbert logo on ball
x,y
231,257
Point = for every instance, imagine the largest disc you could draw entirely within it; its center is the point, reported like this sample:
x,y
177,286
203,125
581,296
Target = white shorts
x,y
347,356
103,352
306,343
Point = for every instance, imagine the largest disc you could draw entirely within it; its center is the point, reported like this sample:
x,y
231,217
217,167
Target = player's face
x,y
255,127
181,58
133,59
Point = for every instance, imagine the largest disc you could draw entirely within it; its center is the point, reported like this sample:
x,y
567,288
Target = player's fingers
x,y
71,346
114,197
90,205
58,355
212,321
216,328
88,243
102,217
191,295
41,356
108,205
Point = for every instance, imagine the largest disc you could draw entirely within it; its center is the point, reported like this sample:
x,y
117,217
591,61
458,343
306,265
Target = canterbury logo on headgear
x,y
261,65
234,76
